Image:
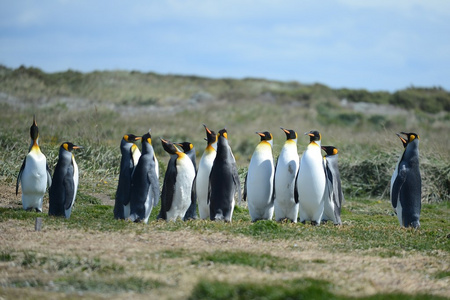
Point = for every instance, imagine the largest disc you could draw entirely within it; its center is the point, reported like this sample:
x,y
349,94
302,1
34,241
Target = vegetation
x,y
95,256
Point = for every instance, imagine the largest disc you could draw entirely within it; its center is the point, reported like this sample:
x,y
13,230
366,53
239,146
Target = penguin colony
x,y
306,188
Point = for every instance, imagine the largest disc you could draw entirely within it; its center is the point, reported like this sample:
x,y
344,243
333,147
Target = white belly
x,y
202,183
286,171
75,187
260,185
399,213
148,205
398,209
34,180
311,185
328,204
183,188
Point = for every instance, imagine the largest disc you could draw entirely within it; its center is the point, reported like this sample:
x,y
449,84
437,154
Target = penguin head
x,y
147,138
330,150
290,134
68,146
34,131
186,146
411,136
223,132
211,136
168,146
131,138
265,136
314,136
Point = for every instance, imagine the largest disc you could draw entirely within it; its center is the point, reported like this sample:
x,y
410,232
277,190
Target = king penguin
x,y
406,191
177,189
259,181
333,196
130,157
286,206
204,170
64,187
144,193
311,181
395,173
223,181
34,174
189,149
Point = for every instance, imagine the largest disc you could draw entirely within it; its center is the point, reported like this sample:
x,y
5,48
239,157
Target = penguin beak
x,y
285,130
400,137
207,129
260,134
138,138
309,133
77,147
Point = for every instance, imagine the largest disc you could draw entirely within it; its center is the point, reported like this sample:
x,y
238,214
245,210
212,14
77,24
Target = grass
x,y
260,261
162,258
290,289
368,224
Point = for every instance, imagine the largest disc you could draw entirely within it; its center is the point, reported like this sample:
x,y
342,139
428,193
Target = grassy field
x,y
94,256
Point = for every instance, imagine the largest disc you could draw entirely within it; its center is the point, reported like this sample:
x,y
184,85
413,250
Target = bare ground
x,y
355,273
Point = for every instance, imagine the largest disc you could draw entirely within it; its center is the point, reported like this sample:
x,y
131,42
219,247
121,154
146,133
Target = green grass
x,y
258,261
66,263
368,225
77,284
289,289
108,286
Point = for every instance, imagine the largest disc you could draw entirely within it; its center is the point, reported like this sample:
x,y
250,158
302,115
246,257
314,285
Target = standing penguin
x,y
333,196
63,191
259,180
204,170
189,150
130,157
223,181
311,181
395,173
286,206
144,193
177,188
406,191
34,174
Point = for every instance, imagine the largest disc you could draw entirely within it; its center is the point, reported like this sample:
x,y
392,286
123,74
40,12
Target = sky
x,y
358,44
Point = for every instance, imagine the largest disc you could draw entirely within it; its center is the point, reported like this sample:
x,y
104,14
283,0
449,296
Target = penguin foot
x,y
286,220
314,223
